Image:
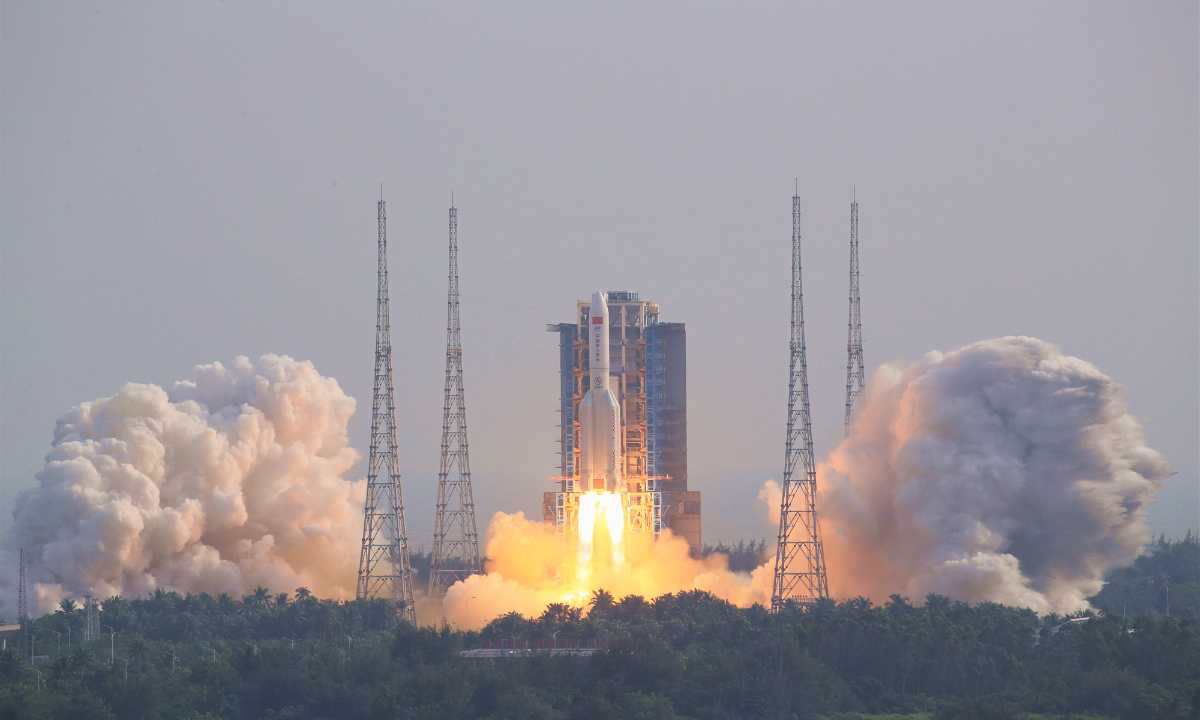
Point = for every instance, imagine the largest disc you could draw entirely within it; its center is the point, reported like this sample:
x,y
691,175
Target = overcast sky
x,y
186,182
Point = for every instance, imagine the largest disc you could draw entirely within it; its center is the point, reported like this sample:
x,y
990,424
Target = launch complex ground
x,y
623,449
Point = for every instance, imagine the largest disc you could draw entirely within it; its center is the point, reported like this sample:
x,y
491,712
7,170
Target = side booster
x,y
599,413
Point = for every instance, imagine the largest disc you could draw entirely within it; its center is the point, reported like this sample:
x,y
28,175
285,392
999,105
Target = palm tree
x,y
79,659
138,649
60,669
326,617
67,606
824,604
296,612
559,617
938,603
11,666
281,599
114,606
511,624
633,607
381,610
861,603
898,603
302,593
257,599
602,603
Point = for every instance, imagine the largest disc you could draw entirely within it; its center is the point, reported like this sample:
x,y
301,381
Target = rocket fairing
x,y
600,415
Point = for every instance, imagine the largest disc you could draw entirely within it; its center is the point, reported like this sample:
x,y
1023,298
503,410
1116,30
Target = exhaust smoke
x,y
222,483
1004,471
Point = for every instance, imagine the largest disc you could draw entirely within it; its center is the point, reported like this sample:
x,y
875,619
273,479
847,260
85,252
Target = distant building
x,y
648,369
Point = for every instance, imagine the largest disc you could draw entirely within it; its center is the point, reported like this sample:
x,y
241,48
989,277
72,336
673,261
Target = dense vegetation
x,y
1164,581
686,655
742,557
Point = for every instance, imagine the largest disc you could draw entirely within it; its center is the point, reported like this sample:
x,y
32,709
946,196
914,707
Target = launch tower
x,y
856,375
647,373
799,558
383,566
455,540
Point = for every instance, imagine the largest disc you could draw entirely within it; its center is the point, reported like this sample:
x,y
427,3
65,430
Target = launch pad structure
x,y
623,443
647,372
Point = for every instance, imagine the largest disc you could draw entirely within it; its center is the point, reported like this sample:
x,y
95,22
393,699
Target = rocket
x,y
599,413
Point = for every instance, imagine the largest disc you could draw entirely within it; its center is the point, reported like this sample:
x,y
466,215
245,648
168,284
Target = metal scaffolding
x,y
23,610
656,401
799,559
569,348
649,361
91,616
383,567
455,540
856,375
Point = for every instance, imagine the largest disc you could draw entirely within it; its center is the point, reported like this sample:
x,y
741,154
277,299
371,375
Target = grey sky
x,y
187,182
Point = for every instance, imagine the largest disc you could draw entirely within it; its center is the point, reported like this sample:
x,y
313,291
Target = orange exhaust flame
x,y
530,566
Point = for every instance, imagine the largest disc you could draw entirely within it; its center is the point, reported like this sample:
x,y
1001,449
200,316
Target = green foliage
x,y
1168,574
687,655
743,557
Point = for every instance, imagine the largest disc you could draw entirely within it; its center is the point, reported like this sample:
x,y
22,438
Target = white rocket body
x,y
599,413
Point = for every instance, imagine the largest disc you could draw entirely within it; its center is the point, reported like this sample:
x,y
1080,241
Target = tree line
x,y
1163,581
687,655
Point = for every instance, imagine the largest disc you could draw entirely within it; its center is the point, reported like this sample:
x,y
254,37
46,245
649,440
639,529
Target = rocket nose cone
x,y
599,304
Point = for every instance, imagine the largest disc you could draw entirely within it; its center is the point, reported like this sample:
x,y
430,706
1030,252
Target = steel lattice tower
x,y
856,375
383,566
799,559
23,609
455,540
91,616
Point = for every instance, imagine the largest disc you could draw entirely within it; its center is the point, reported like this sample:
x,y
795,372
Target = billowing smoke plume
x,y
223,483
1004,471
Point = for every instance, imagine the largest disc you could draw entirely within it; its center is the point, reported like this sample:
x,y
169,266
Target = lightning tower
x,y
799,559
23,609
855,374
383,566
455,540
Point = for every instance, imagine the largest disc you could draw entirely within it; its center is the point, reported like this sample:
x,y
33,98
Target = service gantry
x,y
799,558
383,567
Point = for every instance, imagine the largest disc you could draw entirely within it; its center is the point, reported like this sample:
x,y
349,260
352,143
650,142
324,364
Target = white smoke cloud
x,y
1004,471
225,482
771,496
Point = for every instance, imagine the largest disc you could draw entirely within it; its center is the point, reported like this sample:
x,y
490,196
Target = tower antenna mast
x,y
855,373
23,609
455,540
799,558
383,567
